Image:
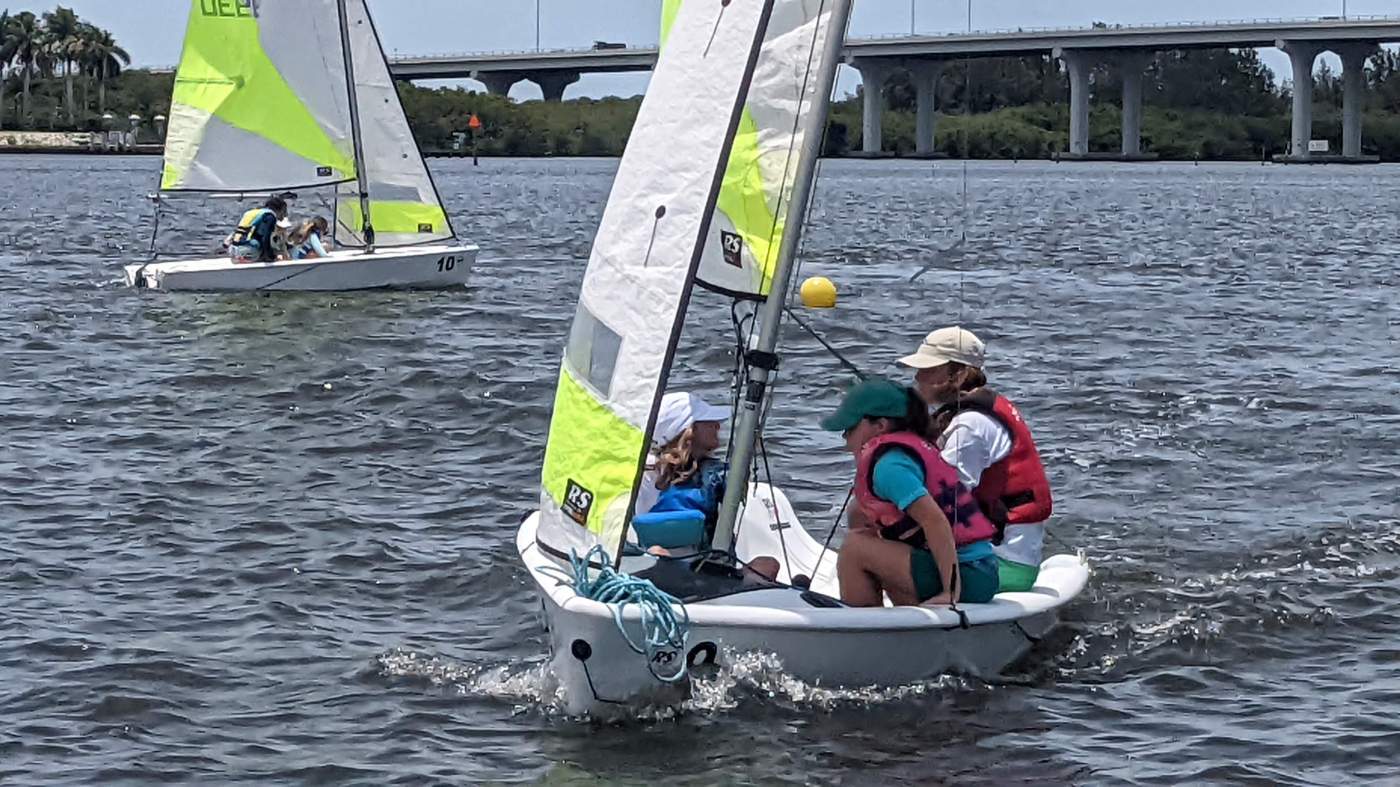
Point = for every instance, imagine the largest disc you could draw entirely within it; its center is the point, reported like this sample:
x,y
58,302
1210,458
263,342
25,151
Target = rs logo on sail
x,y
578,501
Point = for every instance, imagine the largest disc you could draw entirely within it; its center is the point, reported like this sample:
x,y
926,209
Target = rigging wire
x,y
799,253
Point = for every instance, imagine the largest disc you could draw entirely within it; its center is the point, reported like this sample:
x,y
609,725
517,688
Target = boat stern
x,y
135,276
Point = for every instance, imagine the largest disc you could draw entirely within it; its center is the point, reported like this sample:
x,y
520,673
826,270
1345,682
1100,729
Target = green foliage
x,y
1209,103
37,52
581,127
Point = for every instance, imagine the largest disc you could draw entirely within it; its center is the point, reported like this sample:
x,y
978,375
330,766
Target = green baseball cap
x,y
875,398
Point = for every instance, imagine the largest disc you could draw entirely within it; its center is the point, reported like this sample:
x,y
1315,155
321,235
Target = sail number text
x,y
447,263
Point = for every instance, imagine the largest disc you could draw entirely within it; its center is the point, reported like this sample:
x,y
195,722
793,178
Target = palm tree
x,y
81,49
27,38
61,29
106,60
7,56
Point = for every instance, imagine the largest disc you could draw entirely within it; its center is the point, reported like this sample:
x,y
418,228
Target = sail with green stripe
x,y
255,109
640,274
261,104
405,208
742,249
714,151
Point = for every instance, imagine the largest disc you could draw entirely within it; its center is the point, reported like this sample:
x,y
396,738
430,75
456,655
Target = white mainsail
x,y
641,271
722,127
261,104
405,208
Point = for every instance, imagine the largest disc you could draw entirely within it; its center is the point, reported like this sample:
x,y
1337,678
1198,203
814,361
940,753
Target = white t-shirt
x,y
973,442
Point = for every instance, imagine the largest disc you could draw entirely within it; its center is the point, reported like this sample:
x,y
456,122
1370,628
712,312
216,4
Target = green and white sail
x,y
404,205
747,232
261,104
722,122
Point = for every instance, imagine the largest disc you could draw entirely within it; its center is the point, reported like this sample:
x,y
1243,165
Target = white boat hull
x,y
827,645
415,267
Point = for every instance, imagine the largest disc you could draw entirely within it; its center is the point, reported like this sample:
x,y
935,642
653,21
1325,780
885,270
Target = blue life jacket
x,y
684,514
255,230
306,248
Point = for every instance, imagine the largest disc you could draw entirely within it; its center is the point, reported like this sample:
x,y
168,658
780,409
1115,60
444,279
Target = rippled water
x,y
268,539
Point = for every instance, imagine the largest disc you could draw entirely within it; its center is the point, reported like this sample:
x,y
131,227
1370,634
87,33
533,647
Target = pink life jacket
x,y
956,502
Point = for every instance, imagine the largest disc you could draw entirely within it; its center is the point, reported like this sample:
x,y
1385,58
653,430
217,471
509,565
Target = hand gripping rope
x,y
662,628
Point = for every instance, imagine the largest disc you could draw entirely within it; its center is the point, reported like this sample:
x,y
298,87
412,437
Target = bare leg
x,y
868,566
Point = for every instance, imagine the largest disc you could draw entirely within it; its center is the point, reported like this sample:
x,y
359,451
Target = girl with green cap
x,y
918,534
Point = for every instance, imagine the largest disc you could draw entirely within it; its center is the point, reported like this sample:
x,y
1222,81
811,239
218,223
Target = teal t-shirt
x,y
898,477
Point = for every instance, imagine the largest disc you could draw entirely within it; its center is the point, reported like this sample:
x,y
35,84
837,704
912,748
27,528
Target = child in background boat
x,y
305,240
255,237
981,433
923,539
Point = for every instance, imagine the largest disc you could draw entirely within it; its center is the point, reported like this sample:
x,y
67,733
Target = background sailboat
x,y
277,96
711,192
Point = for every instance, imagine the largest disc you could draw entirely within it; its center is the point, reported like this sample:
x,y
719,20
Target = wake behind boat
x,y
294,97
711,192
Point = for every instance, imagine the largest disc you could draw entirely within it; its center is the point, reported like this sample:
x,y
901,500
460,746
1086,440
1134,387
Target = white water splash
x,y
741,679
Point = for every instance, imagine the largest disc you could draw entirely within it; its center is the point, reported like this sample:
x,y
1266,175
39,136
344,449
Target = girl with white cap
x,y
683,444
981,433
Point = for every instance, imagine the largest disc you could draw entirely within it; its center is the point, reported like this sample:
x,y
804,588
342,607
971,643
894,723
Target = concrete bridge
x,y
1128,48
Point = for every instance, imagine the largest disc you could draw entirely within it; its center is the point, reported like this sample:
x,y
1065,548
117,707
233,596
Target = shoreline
x,y
1093,158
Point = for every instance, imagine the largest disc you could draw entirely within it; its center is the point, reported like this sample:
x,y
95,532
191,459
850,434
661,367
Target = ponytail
x,y
973,378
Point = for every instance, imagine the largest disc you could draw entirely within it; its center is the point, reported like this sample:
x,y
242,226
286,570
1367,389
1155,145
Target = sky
x,y
151,30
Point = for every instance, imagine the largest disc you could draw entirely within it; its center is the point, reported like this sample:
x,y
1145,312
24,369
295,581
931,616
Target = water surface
x,y
269,540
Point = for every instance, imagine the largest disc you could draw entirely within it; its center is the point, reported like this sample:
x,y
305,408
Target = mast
x,y
746,426
360,175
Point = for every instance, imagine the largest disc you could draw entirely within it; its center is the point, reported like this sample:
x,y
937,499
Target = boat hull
x,y
418,267
815,641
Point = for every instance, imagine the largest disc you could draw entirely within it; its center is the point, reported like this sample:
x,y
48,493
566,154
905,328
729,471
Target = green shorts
x,y
979,577
1016,577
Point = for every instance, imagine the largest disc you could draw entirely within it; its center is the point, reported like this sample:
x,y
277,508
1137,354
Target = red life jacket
x,y
940,479
1014,490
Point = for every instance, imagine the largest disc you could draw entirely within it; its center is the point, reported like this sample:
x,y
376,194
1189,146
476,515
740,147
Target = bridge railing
x,y
642,49
1158,26
1163,26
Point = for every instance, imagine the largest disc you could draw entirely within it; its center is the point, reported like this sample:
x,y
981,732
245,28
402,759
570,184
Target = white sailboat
x,y
275,96
711,191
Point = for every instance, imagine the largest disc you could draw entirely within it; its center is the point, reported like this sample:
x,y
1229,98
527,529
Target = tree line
x,y
1211,104
46,57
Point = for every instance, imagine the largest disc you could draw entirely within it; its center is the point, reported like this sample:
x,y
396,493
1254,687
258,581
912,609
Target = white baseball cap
x,y
680,410
947,345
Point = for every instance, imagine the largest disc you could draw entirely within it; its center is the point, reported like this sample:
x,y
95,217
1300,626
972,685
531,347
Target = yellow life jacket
x,y
243,233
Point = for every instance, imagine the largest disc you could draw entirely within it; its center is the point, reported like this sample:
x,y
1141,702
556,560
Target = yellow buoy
x,y
818,293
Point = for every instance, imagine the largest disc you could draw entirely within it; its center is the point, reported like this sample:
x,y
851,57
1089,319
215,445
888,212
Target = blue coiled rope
x,y
662,628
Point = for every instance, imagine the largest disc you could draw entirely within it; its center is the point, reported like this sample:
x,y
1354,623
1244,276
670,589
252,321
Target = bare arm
x,y
940,542
856,518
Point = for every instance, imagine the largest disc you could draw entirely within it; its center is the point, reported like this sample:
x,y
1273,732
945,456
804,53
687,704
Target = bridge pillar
x,y
1079,65
553,83
498,83
1132,64
1354,58
925,75
873,74
1303,54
